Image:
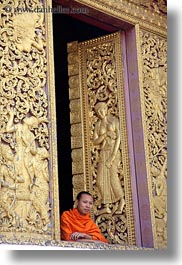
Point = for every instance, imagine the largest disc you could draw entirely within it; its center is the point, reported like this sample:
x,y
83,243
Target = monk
x,y
77,225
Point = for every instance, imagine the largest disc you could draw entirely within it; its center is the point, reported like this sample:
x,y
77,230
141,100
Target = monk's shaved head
x,y
79,195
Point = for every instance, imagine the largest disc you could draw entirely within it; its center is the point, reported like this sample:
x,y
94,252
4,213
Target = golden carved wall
x,y
28,160
150,21
28,144
154,52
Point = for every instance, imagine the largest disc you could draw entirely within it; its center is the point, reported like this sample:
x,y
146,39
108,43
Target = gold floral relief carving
x,y
104,150
158,6
104,125
154,53
24,134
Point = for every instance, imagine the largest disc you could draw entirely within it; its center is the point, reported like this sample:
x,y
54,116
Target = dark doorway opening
x,y
66,29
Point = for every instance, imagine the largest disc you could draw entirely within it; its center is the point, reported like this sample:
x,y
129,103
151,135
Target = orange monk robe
x,y
72,221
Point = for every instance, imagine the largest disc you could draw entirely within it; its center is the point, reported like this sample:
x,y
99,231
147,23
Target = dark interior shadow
x,y
66,29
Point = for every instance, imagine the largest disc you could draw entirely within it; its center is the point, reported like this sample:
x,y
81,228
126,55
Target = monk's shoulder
x,y
65,214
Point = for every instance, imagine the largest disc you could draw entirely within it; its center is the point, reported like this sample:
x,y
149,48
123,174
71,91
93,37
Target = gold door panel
x,y
100,158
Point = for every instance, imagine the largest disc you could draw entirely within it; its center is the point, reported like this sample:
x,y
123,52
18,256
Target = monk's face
x,y
85,204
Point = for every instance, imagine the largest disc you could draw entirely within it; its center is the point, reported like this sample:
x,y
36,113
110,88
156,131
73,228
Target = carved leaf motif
x,y
154,52
24,179
102,89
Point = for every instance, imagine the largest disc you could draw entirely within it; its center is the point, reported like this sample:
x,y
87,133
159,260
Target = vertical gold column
x,y
154,105
75,119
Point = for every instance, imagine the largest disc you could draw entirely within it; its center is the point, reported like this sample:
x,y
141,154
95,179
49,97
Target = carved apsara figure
x,y
40,186
107,136
160,184
25,150
160,201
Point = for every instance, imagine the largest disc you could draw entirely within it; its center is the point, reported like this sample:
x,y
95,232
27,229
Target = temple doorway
x,y
66,29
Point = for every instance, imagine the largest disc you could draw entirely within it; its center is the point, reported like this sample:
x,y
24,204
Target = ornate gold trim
x,y
131,13
53,121
124,140
146,140
68,245
86,110
140,73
